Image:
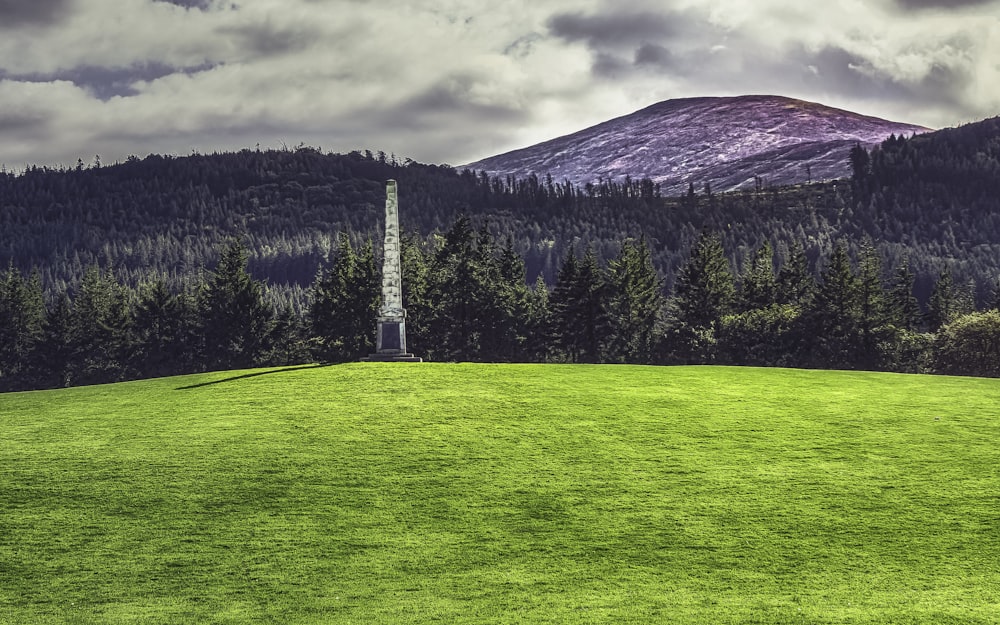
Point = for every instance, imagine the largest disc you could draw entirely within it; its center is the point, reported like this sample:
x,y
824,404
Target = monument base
x,y
392,358
390,344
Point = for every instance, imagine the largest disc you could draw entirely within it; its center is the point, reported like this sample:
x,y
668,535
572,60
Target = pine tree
x,y
22,316
514,306
942,307
562,305
703,293
419,312
344,307
163,331
49,361
833,318
580,322
903,310
99,331
453,285
635,303
795,282
994,302
758,286
872,316
234,318
537,345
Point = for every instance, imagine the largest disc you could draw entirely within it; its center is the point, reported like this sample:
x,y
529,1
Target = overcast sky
x,y
449,81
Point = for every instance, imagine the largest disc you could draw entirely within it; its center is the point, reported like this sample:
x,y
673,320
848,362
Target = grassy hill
x,y
372,493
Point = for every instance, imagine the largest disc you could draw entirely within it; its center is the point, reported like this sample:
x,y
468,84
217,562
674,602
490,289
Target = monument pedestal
x,y
390,342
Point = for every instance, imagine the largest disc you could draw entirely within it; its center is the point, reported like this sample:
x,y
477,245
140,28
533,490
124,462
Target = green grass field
x,y
382,493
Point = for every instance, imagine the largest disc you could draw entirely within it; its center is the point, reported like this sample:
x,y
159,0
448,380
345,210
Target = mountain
x,y
722,141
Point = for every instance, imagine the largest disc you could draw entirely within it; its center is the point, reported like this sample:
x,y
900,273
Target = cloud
x,y
450,81
190,4
18,13
940,4
268,38
105,83
600,30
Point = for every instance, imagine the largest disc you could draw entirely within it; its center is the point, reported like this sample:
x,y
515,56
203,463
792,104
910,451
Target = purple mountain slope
x,y
722,141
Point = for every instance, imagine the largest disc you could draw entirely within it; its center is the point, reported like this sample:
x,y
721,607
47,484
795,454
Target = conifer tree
x,y
758,286
99,330
163,332
903,310
22,316
453,291
942,307
795,284
871,305
50,358
579,309
635,302
234,318
703,293
345,300
833,318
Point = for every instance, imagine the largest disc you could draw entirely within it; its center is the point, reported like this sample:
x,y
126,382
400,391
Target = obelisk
x,y
390,340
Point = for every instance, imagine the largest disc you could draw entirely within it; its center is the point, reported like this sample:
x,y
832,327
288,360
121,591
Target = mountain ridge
x,y
727,142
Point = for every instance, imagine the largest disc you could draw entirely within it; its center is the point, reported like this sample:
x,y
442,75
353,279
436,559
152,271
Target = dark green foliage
x,y
970,345
234,318
164,332
795,282
945,302
99,329
872,307
345,301
902,308
579,309
765,336
833,320
48,362
635,305
22,318
288,340
758,284
929,198
703,294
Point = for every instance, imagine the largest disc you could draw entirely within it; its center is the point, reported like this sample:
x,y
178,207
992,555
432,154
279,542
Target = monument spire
x,y
390,339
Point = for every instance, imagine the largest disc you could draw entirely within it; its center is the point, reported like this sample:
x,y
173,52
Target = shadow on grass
x,y
254,375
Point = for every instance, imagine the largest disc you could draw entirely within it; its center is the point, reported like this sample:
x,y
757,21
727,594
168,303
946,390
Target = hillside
x,y
726,142
169,215
497,494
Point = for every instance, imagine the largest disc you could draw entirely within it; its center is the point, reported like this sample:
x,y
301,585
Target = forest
x,y
165,265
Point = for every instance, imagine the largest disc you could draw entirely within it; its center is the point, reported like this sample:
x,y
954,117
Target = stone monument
x,y
390,338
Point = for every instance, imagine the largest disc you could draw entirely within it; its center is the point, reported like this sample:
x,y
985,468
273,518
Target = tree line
x,y
467,299
930,201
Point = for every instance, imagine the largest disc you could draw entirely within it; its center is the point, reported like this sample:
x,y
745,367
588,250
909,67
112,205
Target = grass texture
x,y
389,493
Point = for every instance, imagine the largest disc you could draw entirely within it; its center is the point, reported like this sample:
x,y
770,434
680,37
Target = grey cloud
x,y
622,42
850,74
16,13
268,40
105,83
21,122
940,4
188,4
653,54
615,28
608,65
452,96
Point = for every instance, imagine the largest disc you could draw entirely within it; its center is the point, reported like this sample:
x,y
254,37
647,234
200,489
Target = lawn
x,y
400,493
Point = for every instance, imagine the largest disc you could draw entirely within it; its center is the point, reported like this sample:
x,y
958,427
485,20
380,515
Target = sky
x,y
449,81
